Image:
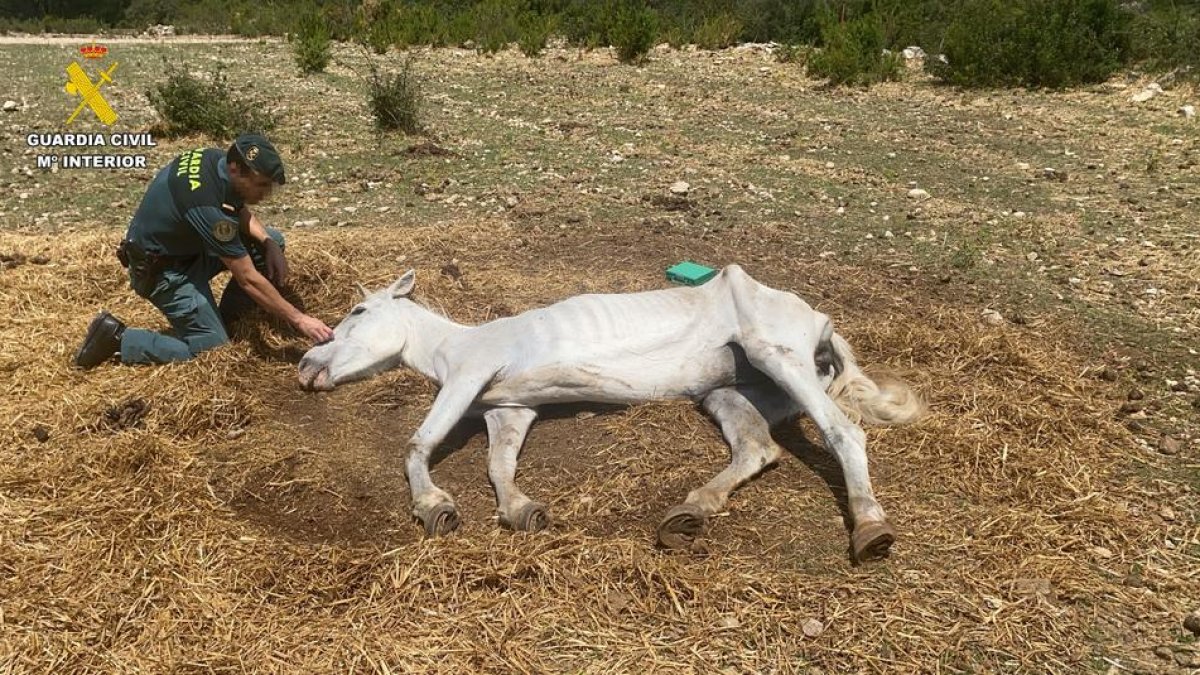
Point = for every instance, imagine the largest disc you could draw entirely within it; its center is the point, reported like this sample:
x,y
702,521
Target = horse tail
x,y
883,400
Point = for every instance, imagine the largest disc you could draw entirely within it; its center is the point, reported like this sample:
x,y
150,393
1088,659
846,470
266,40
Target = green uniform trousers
x,y
183,293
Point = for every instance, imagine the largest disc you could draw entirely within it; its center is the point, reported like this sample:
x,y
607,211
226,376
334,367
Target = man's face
x,y
251,186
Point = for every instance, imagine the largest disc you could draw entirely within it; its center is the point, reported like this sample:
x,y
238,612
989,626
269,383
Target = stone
x,y
918,194
1187,111
992,318
1192,623
812,628
913,52
680,187
1169,445
1151,90
11,106
1031,586
728,623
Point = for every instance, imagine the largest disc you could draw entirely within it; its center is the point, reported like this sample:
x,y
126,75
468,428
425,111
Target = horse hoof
x,y
680,527
871,541
532,517
440,520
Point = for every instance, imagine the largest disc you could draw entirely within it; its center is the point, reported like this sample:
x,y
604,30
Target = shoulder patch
x,y
224,231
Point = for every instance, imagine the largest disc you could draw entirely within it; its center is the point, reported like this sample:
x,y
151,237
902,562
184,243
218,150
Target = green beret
x,y
258,153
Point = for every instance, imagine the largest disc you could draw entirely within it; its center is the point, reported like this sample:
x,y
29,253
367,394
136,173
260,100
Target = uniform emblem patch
x,y
224,231
251,153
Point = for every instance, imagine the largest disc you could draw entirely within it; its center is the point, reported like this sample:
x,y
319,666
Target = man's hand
x,y
314,328
277,266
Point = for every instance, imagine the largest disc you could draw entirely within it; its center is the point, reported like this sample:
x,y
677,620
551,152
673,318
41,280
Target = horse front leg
x,y
431,505
507,428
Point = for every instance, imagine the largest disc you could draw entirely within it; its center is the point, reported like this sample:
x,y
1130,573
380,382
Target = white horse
x,y
751,355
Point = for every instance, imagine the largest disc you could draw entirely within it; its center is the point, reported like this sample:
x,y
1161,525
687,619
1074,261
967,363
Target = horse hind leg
x,y
507,428
745,415
795,372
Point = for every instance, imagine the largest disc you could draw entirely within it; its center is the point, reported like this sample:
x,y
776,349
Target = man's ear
x,y
404,285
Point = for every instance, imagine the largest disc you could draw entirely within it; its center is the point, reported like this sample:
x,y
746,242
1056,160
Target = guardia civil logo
x,y
80,86
86,85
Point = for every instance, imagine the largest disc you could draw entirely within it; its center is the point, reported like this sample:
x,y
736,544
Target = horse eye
x,y
358,310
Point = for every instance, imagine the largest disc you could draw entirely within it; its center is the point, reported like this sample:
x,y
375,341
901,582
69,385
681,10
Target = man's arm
x,y
251,224
277,267
263,293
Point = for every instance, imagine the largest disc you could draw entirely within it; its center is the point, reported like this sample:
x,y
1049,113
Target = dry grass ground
x,y
210,516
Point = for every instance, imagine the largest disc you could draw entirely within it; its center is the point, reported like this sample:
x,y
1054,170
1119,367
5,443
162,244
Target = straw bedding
x,y
209,516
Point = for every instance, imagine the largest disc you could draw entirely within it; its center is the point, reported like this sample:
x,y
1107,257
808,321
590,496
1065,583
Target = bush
x,y
535,34
853,53
793,54
495,25
786,21
633,31
419,25
718,32
585,23
77,24
1166,36
188,104
311,44
1034,43
395,99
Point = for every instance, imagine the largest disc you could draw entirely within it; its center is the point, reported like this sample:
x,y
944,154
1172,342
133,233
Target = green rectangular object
x,y
689,273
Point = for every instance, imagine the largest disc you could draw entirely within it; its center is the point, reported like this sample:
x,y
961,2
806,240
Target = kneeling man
x,y
194,222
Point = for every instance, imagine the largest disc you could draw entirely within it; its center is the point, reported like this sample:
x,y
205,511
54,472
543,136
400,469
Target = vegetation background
x,y
1052,43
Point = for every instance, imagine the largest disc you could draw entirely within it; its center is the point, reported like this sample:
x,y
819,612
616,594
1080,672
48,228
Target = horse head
x,y
370,340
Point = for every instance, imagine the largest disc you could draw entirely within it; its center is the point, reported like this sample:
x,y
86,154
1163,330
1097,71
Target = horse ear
x,y
362,289
404,285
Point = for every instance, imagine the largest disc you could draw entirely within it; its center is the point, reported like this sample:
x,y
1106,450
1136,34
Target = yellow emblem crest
x,y
251,153
224,231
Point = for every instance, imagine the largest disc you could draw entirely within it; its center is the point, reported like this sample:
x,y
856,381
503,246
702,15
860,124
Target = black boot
x,y
102,341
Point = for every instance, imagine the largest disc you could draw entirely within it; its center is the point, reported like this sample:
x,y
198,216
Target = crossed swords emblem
x,y
81,85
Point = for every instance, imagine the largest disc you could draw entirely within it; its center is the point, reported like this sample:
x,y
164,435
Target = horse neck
x,y
427,330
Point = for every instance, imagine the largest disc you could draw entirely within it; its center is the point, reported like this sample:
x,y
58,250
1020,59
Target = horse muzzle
x,y
314,375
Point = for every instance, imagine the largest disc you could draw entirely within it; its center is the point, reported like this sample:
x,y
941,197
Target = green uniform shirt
x,y
190,208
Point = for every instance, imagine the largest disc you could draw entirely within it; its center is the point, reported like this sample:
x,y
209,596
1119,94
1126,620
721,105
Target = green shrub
x,y
340,19
1167,36
78,24
188,104
420,25
793,54
718,32
786,21
202,19
535,34
395,99
633,31
585,24
1034,43
676,36
381,33
853,53
495,25
143,13
311,44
